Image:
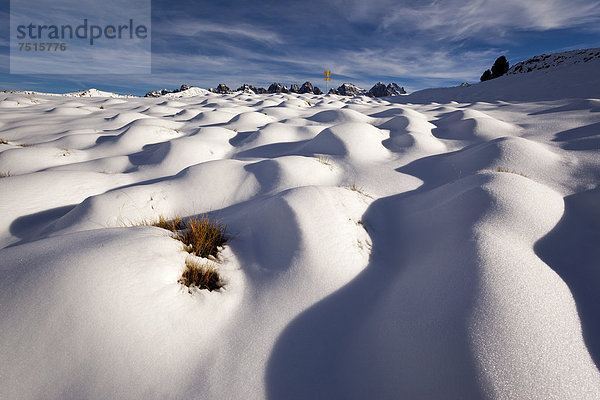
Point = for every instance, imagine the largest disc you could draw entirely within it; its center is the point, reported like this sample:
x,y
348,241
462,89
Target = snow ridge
x,y
556,60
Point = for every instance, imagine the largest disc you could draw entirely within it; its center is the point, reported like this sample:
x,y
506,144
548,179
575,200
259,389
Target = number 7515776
x,y
55,46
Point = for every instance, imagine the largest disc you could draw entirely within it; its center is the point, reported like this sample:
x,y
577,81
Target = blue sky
x,y
417,44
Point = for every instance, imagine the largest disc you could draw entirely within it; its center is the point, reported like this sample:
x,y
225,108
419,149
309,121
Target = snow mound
x,y
512,155
276,134
339,116
163,110
173,104
124,118
471,125
191,92
94,93
187,114
67,110
411,132
248,119
18,101
359,141
212,117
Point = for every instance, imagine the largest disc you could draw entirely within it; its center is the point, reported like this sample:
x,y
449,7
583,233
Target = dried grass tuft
x,y
200,275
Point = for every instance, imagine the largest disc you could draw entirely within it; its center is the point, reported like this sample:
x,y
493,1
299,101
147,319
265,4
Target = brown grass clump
x,y
355,188
201,276
323,159
200,235
203,236
172,225
3,141
510,171
4,174
359,190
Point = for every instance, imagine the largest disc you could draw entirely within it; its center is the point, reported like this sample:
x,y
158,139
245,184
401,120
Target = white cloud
x,y
197,28
84,60
458,19
411,63
70,12
415,60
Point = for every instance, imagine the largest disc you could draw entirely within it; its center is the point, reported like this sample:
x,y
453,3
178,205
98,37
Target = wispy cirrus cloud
x,y
197,28
457,19
362,66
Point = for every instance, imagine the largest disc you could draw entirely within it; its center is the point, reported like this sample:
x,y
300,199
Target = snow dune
x,y
394,249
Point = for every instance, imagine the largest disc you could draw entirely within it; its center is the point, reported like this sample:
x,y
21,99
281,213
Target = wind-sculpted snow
x,y
376,249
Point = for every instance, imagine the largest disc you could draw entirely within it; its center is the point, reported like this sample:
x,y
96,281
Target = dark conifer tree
x,y
500,67
487,75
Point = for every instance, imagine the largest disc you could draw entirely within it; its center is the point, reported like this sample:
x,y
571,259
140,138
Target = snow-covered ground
x,y
416,248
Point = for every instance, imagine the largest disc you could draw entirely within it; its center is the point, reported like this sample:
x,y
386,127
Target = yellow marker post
x,y
327,78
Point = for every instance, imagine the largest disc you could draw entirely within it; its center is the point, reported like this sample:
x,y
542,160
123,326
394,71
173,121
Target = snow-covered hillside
x,y
557,60
432,246
83,93
193,91
553,77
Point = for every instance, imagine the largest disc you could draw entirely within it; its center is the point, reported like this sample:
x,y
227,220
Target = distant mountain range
x,y
576,61
346,89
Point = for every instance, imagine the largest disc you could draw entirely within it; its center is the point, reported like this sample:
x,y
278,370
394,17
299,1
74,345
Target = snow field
x,y
381,249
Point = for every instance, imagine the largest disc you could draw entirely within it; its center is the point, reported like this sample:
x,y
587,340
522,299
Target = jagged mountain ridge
x,y
346,89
